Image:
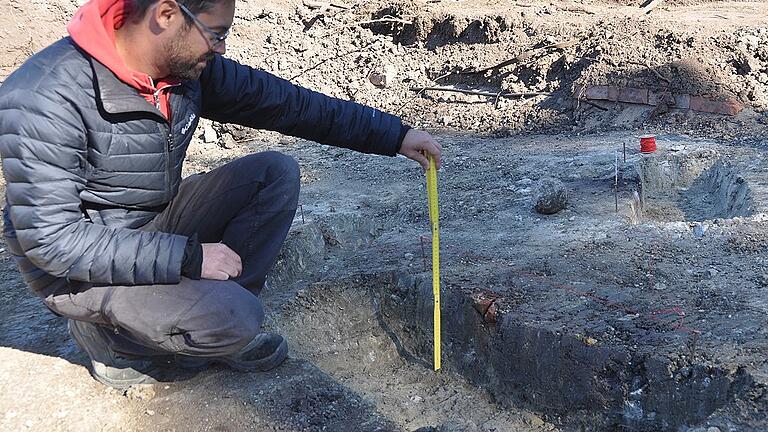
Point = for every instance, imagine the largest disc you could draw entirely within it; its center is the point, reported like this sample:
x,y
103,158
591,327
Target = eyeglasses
x,y
215,38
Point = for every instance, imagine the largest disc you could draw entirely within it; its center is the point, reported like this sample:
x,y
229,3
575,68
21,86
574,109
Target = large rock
x,y
550,196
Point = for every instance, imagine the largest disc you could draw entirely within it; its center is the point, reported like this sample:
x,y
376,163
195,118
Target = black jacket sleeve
x,y
234,93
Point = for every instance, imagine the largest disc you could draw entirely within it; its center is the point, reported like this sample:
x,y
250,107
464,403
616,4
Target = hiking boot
x,y
107,366
265,352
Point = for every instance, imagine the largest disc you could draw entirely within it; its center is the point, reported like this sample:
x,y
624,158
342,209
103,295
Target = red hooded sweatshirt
x,y
93,29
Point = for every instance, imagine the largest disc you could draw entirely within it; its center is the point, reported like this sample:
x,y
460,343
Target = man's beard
x,y
180,65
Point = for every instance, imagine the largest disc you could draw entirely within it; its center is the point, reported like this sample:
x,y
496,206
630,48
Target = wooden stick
x,y
579,9
386,19
400,108
480,93
313,4
653,4
523,56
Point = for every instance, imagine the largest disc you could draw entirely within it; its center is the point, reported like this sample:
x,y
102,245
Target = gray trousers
x,y
247,204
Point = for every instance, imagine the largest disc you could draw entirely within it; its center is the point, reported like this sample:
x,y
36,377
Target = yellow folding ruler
x,y
434,221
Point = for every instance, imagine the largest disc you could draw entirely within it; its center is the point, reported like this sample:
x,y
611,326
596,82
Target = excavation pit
x,y
591,317
693,185
381,326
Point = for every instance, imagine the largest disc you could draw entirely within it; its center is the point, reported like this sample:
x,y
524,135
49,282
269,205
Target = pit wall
x,y
702,184
521,363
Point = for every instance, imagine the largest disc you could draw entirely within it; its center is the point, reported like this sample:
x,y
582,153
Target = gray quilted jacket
x,y
87,160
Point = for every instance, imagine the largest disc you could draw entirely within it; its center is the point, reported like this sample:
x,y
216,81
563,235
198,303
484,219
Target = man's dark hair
x,y
139,7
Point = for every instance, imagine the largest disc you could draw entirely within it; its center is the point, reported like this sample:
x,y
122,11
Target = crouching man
x,y
146,265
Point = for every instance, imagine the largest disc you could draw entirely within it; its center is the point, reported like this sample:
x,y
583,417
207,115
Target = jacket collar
x,y
116,96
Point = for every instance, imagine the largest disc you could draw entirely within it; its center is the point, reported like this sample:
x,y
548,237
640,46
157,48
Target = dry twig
x,y
400,108
523,56
382,20
314,4
655,72
601,108
338,56
481,93
385,19
650,6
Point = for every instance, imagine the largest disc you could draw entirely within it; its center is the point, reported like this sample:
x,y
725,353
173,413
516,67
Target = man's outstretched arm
x,y
234,93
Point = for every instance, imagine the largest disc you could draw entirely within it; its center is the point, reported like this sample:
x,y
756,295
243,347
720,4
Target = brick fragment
x,y
633,95
484,303
596,92
683,101
729,106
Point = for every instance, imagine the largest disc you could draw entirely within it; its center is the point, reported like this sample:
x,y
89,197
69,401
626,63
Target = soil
x,y
638,307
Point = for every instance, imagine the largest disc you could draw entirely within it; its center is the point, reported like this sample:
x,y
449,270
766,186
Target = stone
x,y
700,229
384,77
228,141
378,79
140,392
550,196
209,134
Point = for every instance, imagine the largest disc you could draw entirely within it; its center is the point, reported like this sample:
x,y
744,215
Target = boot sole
x,y
98,372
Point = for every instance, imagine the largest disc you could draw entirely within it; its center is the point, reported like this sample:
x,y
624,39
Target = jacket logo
x,y
189,124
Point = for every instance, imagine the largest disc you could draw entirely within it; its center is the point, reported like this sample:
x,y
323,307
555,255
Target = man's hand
x,y
416,143
220,262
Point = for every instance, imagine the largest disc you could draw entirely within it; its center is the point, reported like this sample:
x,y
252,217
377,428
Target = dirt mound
x,y
531,49
385,53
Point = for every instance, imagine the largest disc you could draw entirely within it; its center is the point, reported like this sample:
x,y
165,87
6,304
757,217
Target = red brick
x,y
613,93
729,107
683,101
491,316
633,95
596,92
